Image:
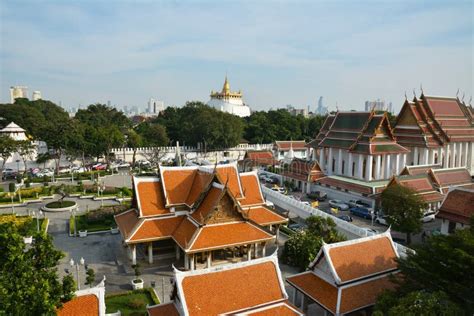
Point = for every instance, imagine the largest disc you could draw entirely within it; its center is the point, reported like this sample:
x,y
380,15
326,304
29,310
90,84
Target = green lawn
x,y
91,226
131,303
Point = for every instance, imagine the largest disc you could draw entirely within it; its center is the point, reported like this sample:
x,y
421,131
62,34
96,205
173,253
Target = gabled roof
x,y
422,184
359,132
451,177
209,203
149,229
416,170
153,204
262,216
85,305
433,121
251,189
229,175
304,170
288,144
349,275
12,128
458,206
260,157
164,309
359,258
243,287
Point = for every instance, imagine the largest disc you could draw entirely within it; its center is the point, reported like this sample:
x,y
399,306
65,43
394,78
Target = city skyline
x,y
277,53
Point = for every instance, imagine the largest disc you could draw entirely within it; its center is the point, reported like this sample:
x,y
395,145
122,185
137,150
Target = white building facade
x,y
228,101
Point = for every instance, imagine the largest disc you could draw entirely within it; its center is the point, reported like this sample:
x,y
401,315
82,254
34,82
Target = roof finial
x,y
406,98
421,88
470,100
414,93
457,94
463,94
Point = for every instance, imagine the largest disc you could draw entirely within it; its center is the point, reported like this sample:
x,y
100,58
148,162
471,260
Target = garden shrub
x,y
136,303
11,187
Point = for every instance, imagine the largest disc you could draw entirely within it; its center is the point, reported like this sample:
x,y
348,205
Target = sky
x,y
276,52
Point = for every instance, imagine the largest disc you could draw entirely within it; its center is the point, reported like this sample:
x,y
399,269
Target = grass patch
x,y
59,204
131,303
286,230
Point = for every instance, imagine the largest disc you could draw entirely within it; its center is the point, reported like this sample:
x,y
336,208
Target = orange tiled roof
x,y
449,177
230,175
263,216
365,294
208,204
317,288
184,233
251,188
151,199
200,182
458,206
177,184
85,305
279,309
261,157
168,309
237,233
286,145
154,229
232,289
353,260
126,221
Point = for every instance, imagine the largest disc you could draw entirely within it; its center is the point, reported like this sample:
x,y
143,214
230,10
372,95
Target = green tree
x,y
25,149
152,134
29,283
134,141
443,264
404,209
90,277
68,288
7,147
303,246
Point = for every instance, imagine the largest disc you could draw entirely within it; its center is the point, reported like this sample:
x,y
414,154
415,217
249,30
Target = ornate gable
x,y
226,210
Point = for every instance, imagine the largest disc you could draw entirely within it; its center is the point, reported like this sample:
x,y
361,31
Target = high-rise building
x,y
321,109
155,106
36,95
17,92
378,105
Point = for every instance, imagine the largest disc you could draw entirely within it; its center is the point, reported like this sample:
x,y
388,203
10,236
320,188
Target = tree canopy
x,y
438,275
29,284
404,209
303,246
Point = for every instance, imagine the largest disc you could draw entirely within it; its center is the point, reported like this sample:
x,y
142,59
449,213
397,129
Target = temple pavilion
x,y
229,101
245,288
437,130
208,214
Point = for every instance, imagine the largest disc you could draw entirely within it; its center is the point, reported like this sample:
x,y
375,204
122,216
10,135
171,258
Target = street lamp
x,y
81,262
37,215
73,213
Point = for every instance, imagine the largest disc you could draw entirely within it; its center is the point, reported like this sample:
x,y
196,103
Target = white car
x,y
382,220
45,172
428,217
306,203
340,205
78,169
269,204
278,189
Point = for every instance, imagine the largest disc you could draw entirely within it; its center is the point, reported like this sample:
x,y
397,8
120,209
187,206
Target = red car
x,y
99,166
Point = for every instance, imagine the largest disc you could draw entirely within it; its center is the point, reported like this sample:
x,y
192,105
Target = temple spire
x,y
226,87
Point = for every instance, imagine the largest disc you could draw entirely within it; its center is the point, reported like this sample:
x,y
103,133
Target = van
x,y
361,212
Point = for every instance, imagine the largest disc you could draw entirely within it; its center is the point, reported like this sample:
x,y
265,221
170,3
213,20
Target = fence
x,y
304,211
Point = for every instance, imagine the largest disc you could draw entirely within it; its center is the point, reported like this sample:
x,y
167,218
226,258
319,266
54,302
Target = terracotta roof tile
x,y
432,197
251,188
232,289
218,236
263,216
278,309
448,177
156,228
168,309
304,170
285,145
458,206
345,185
207,205
178,183
85,305
230,175
317,288
150,196
201,180
264,157
419,184
126,222
358,296
184,233
357,260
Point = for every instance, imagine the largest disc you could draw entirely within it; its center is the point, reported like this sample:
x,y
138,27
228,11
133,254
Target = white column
x,y
209,259
404,161
460,155
440,155
368,167
277,234
264,248
453,155
150,252
466,155
192,262
186,261
329,162
321,158
397,164
256,250
178,252
446,156
388,171
349,166
415,156
134,254
425,156
339,162
314,154
377,167
432,156
249,252
360,167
